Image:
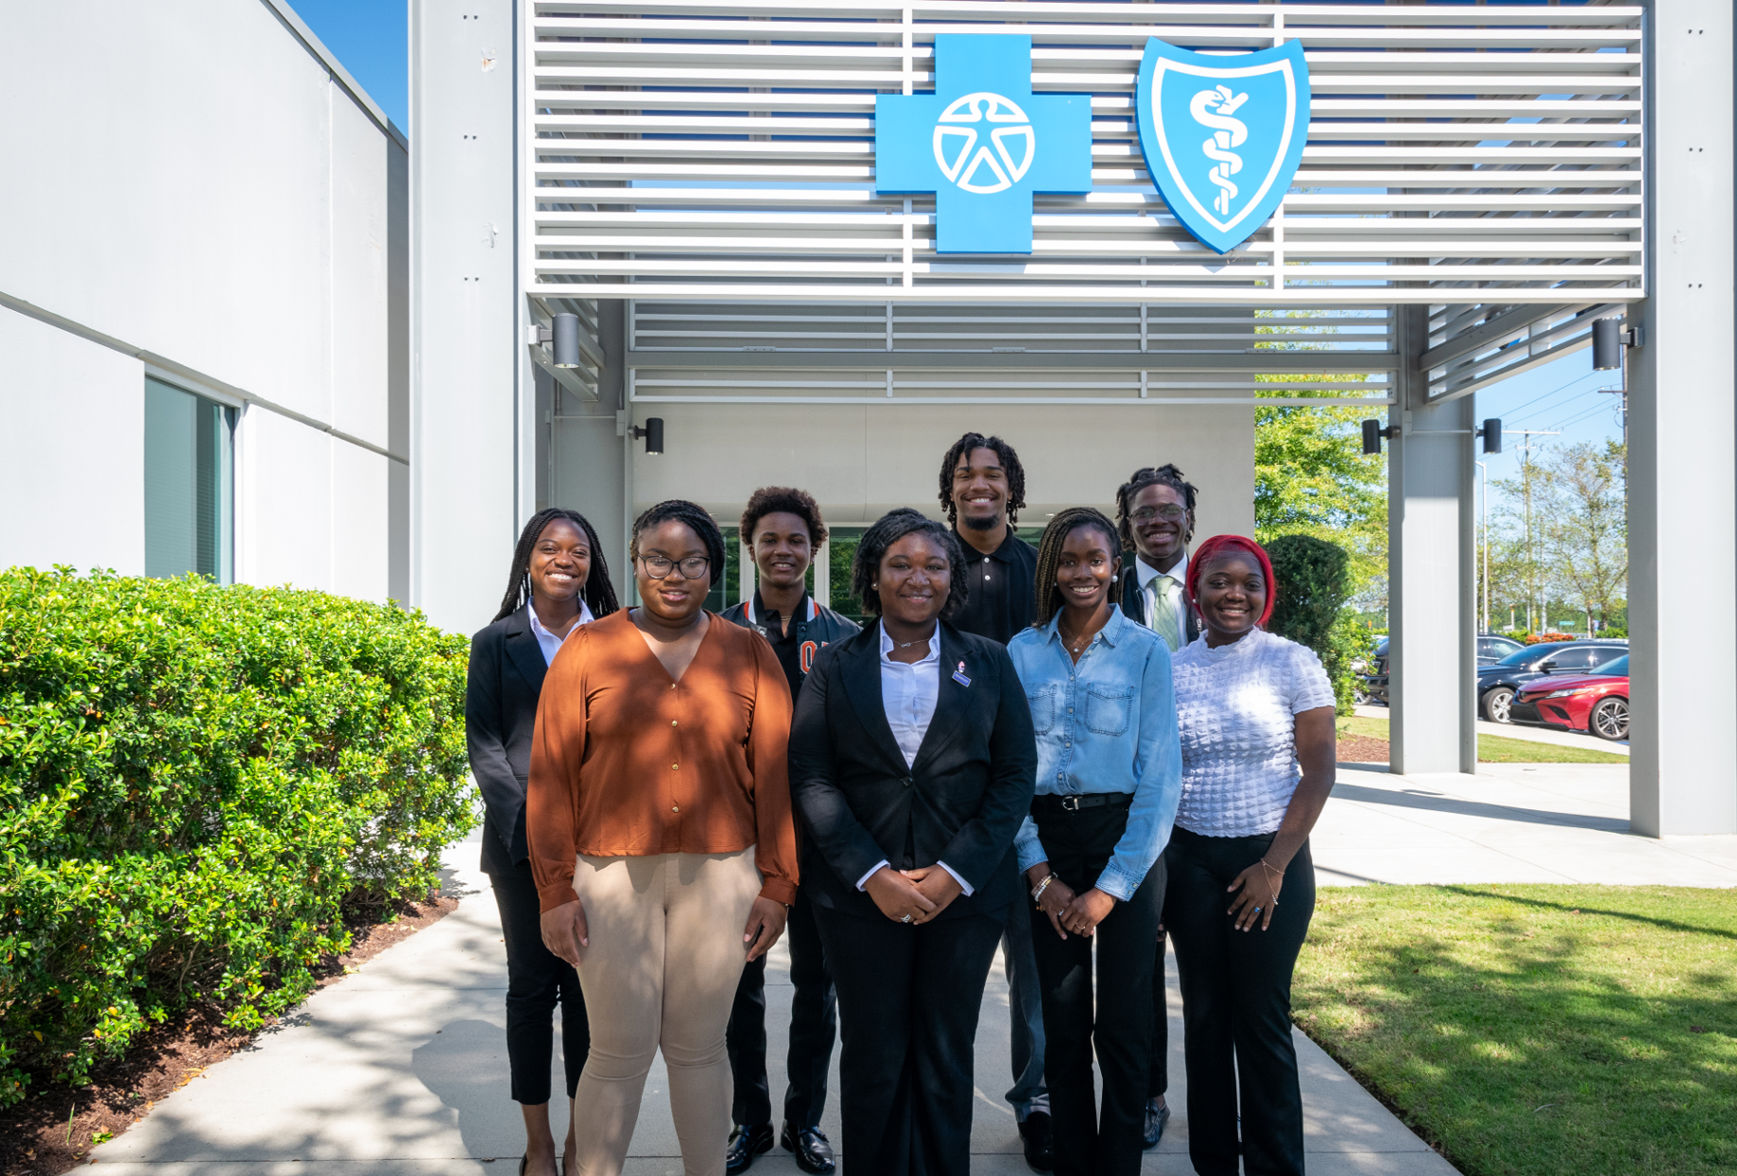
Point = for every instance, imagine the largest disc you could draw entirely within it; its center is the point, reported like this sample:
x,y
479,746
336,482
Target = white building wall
x,y
205,190
72,455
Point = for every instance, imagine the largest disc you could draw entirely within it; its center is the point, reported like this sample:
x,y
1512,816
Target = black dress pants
x,y
537,980
1236,1006
908,998
1090,1141
1159,1080
813,1022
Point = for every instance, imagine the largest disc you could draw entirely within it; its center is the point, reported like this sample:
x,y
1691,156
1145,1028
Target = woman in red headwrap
x,y
1255,716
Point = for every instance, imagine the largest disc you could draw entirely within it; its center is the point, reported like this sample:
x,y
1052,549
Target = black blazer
x,y
500,713
1134,601
961,802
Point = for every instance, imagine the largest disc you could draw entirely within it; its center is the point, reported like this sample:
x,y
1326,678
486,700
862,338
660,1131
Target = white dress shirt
x,y
547,641
909,692
1145,573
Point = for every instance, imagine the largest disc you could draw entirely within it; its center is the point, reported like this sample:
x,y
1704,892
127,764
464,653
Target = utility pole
x,y
1526,489
1484,524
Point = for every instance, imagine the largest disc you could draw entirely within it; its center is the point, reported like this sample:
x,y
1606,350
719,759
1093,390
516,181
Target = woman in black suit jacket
x,y
559,580
911,763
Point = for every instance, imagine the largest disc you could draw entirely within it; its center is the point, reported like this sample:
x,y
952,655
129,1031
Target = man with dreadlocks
x,y
982,489
1155,514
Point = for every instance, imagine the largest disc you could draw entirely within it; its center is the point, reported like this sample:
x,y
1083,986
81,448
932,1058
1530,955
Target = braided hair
x,y
888,530
695,518
598,592
1009,462
1049,550
1164,475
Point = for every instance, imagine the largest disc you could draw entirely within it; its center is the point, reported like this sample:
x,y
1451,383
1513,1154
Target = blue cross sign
x,y
983,143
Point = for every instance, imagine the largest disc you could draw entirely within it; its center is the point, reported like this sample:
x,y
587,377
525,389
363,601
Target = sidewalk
x,y
400,1070
1524,731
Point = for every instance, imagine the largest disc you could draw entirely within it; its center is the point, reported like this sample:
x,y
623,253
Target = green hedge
x,y
1314,582
194,782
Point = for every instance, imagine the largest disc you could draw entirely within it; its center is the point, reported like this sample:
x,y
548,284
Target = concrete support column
x,y
1682,506
466,357
1431,586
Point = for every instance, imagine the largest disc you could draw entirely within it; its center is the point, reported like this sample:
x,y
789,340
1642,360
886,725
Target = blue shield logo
x,y
1222,136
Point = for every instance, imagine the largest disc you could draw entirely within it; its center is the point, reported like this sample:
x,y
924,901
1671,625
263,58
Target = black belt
x,y
1074,803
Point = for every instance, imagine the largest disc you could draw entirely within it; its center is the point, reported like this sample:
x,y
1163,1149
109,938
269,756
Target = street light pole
x,y
1484,526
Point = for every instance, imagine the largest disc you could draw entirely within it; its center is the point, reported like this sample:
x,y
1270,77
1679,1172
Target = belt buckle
x,y
1070,804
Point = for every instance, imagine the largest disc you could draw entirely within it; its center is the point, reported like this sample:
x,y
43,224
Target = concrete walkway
x,y
401,1068
1525,731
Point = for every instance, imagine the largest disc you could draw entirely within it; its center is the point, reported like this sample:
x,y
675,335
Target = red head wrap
x,y
1220,545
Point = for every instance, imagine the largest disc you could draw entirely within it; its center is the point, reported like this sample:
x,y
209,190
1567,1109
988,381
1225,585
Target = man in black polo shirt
x,y
782,527
983,488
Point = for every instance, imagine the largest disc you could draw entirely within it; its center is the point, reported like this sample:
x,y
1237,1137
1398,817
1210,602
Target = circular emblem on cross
x,y
984,143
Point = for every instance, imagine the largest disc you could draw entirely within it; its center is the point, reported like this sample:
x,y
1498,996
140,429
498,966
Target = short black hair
x,y
598,593
1049,548
1164,475
888,530
680,510
1009,462
783,500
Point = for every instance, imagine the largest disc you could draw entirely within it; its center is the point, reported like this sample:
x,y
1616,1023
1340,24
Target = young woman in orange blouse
x,y
659,820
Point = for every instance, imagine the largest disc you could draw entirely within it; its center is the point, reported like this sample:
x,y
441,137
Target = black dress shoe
x,y
745,1143
813,1153
1039,1138
1157,1114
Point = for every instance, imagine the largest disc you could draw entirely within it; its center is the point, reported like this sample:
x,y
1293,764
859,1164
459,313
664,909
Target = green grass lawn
x,y
1496,749
1533,1030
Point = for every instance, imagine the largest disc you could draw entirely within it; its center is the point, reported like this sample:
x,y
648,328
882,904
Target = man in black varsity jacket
x,y
783,529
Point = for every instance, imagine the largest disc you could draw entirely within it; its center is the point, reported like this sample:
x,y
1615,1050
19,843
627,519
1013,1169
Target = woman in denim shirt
x,y
1108,778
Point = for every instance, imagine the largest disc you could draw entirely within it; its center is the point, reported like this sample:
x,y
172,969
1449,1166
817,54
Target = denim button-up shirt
x,y
1106,723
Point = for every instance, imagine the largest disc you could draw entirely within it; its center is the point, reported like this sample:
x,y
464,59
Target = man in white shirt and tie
x,y
1155,511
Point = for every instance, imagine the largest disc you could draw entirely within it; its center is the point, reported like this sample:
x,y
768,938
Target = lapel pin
x,y
959,675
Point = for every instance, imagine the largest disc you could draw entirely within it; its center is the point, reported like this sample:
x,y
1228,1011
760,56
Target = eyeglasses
x,y
1169,512
658,567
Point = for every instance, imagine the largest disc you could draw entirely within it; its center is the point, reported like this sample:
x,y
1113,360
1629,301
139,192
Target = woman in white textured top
x,y
1255,715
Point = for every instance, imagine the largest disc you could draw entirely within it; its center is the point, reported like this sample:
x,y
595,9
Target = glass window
x,y
189,484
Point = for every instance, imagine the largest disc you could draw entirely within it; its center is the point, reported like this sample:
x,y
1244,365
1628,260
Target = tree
x,y
1582,514
1313,478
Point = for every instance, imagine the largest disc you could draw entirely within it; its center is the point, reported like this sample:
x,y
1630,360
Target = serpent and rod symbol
x,y
1213,109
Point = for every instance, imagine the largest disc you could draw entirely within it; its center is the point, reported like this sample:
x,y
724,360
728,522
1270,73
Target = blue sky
x,y
371,39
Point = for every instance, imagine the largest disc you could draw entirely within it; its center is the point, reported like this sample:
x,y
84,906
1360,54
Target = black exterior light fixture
x,y
563,339
652,431
1490,432
1609,337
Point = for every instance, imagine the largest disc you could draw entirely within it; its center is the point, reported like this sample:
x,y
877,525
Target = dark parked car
x,y
1497,683
1594,701
1491,649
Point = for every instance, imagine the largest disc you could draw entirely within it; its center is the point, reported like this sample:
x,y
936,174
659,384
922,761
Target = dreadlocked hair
x,y
695,518
1049,550
1009,462
599,591
1164,475
783,500
888,530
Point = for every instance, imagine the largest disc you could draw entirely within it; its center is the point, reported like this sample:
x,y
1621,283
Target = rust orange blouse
x,y
627,762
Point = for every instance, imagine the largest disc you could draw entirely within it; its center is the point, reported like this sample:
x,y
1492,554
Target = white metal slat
x,y
1491,149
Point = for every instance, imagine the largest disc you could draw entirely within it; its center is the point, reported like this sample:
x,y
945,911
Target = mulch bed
x,y
52,1130
1360,749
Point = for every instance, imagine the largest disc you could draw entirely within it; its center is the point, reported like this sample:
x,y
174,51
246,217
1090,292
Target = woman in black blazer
x,y
911,764
559,580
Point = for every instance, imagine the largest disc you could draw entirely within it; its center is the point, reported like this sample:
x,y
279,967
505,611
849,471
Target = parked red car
x,y
1595,702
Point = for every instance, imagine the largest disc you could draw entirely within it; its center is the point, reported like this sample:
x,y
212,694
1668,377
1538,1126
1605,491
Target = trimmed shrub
x,y
194,782
1314,581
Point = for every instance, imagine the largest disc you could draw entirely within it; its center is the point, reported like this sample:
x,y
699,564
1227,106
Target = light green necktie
x,y
1161,610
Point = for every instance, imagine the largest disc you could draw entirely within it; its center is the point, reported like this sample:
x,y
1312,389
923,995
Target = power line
x,y
1514,412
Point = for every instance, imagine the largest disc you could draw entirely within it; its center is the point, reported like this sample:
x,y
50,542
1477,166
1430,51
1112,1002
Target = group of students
x,y
1090,742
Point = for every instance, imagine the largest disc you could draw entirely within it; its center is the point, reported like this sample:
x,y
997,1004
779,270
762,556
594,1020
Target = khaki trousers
x,y
661,971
